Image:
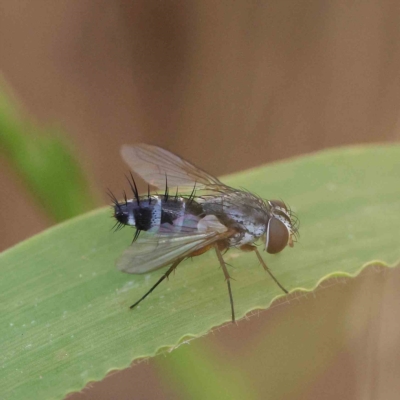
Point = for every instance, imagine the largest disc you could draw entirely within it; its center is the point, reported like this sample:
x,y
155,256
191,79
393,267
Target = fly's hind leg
x,y
227,279
250,247
166,275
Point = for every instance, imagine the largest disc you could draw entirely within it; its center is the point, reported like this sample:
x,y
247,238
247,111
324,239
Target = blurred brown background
x,y
227,84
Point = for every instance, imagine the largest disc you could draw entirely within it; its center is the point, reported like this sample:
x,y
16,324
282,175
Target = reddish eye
x,y
277,236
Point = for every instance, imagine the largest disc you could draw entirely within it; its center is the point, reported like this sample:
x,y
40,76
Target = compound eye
x,y
278,203
277,236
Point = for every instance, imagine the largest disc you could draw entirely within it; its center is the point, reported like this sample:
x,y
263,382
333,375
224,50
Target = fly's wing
x,y
151,252
155,165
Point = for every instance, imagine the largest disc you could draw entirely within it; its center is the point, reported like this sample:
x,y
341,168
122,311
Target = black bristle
x,y
133,187
137,233
166,189
191,197
136,192
148,194
117,226
112,197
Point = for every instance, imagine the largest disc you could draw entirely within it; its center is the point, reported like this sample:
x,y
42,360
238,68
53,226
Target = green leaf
x,y
198,374
45,161
64,316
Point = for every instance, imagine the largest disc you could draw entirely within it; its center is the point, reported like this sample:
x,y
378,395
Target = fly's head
x,y
282,227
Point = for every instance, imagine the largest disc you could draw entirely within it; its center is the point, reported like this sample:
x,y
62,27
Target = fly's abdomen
x,y
143,213
147,214
159,213
179,214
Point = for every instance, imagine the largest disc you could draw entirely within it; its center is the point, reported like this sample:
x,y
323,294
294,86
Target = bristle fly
x,y
184,225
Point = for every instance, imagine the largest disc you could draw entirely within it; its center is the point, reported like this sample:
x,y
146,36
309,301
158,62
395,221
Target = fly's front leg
x,y
250,247
227,279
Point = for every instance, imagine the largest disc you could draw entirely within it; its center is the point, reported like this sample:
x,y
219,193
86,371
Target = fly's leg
x,y
262,262
166,275
250,247
227,279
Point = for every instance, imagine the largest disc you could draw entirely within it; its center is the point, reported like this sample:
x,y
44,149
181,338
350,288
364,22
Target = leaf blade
x,y
64,307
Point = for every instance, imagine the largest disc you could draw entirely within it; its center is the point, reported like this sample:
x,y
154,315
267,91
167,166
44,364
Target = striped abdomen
x,y
158,213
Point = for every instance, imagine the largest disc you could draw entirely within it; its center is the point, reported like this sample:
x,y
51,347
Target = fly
x,y
213,216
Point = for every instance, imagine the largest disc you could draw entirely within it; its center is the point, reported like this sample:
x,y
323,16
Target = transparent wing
x,y
154,164
150,253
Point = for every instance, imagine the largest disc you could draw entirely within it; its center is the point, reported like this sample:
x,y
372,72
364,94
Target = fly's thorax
x,y
247,232
281,227
240,210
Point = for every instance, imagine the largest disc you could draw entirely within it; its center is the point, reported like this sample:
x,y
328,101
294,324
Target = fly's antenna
x,y
166,194
191,197
133,186
148,194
